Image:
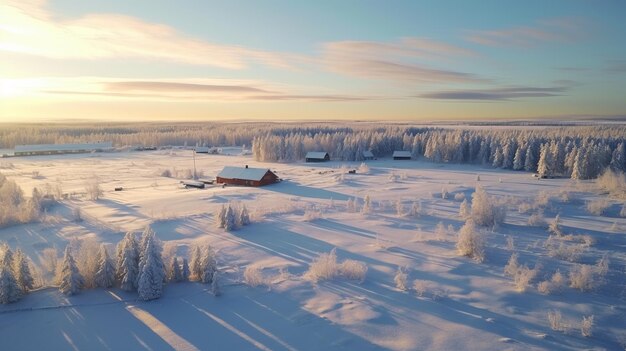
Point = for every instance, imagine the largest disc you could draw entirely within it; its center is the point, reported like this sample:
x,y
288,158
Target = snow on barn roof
x,y
316,154
401,154
243,173
63,147
368,154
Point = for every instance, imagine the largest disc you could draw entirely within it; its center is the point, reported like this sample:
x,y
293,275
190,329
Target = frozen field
x,y
464,304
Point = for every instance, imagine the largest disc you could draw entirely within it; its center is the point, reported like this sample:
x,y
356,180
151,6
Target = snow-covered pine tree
x,y
195,263
174,273
209,265
545,166
518,160
367,204
127,270
21,271
215,287
229,219
152,273
465,211
243,217
220,217
10,290
105,273
71,279
185,271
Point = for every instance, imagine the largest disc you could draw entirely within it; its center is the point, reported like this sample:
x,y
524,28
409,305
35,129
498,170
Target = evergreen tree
x,y
466,210
105,274
367,204
174,273
128,263
209,265
195,264
71,279
185,271
530,164
220,217
10,290
229,219
244,217
518,162
21,271
545,166
152,272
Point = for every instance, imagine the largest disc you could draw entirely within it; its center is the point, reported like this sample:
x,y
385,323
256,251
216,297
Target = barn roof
x,y
63,147
243,173
398,153
316,154
368,154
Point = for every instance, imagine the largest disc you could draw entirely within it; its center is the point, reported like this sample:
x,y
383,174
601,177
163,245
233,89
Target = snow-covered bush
x,y
555,226
598,207
400,279
399,208
441,233
484,210
521,274
556,321
612,182
14,207
93,189
563,251
312,214
364,168
586,326
537,220
326,267
253,276
582,277
465,211
420,287
553,286
459,197
367,204
512,265
470,242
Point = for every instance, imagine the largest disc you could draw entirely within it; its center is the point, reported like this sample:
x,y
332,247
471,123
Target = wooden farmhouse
x,y
246,176
317,156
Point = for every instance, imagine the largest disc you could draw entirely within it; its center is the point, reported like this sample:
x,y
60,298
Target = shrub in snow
x,y
542,199
459,197
602,267
174,273
326,267
367,204
392,178
105,273
444,193
93,189
510,243
581,277
22,272
311,214
556,321
465,211
151,268
166,173
71,279
586,326
416,209
127,270
185,272
470,242
400,279
553,286
597,207
523,277
484,210
555,226
512,265
612,182
351,205
563,251
364,168
441,233
399,208
253,276
537,220
420,287
220,217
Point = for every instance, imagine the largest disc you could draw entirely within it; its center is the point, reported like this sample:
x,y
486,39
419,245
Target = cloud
x,y
189,90
500,94
29,28
615,66
396,61
546,31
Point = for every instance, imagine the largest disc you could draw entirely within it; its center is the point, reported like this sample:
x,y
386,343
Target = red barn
x,y
246,176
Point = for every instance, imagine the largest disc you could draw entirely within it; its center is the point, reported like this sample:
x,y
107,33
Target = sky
x,y
121,60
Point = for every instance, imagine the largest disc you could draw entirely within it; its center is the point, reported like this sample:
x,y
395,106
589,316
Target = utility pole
x,y
194,164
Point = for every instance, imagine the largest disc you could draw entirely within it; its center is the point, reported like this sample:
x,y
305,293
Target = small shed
x,y
401,155
246,176
368,155
202,150
317,156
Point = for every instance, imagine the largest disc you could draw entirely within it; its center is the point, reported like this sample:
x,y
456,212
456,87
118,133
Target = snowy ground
x,y
475,305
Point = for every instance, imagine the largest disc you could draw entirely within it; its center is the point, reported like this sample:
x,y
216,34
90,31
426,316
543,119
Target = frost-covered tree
x,y
174,273
10,290
195,263
399,208
229,219
71,279
22,272
215,286
184,273
105,273
518,160
367,204
555,226
484,210
220,217
209,265
152,271
127,270
465,211
470,242
243,217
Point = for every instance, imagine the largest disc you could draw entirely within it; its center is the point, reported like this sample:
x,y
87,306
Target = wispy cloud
x,y
615,66
546,31
498,94
139,86
397,61
27,27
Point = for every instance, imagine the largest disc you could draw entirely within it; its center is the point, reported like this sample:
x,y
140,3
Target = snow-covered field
x,y
463,304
